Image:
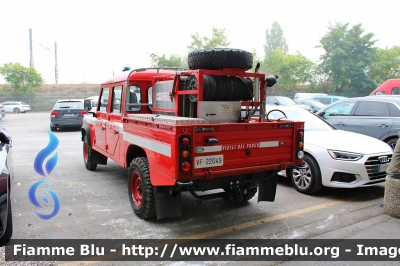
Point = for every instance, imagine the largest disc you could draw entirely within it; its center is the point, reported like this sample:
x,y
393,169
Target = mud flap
x,y
100,158
267,188
167,205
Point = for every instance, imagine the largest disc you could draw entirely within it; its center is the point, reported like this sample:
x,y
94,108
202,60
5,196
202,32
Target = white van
x,y
306,96
94,100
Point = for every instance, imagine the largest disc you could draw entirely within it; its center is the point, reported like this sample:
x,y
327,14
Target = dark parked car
x,y
375,116
282,100
68,113
314,105
6,175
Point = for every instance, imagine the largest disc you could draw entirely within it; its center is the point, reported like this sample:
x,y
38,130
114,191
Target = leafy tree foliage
x,y
275,39
385,64
23,80
217,40
171,61
292,70
348,53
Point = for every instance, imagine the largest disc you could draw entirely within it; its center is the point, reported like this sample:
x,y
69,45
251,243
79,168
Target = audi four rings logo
x,y
38,166
383,159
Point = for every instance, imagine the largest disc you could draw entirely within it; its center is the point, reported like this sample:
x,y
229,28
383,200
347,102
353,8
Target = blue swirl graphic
x,y
41,156
54,197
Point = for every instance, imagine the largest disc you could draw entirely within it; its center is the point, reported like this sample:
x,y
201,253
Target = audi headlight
x,y
346,156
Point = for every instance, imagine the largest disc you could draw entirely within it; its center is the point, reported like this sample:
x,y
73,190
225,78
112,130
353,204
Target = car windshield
x,y
311,121
318,104
286,101
77,105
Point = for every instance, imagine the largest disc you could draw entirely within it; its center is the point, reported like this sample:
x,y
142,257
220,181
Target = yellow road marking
x,y
235,227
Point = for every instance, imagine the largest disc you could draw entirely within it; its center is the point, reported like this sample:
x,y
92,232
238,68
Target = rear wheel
x,y
88,154
140,190
307,180
242,194
9,226
53,128
16,110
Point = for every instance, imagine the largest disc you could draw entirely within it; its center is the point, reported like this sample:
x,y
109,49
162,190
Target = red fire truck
x,y
201,130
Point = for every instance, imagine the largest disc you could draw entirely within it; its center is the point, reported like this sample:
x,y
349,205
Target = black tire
x,y
249,192
392,142
140,190
307,181
9,229
219,58
16,110
89,155
53,128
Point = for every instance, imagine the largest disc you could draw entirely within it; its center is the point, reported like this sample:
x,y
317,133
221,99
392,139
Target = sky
x,y
96,39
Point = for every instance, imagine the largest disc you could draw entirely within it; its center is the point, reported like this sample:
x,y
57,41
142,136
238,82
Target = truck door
x,y
114,123
102,120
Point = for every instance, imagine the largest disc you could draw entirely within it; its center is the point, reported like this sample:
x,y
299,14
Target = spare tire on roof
x,y
219,58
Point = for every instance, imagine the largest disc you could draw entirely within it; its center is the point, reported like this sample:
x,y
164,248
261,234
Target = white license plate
x,y
382,167
208,161
69,115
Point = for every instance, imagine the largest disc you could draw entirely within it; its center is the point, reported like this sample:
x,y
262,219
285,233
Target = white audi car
x,y
334,158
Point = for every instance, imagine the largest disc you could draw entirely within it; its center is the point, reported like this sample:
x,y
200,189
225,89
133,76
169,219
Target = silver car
x,y
16,107
375,116
68,113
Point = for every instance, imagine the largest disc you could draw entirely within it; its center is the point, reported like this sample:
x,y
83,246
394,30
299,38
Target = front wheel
x,y
16,110
88,154
307,180
140,190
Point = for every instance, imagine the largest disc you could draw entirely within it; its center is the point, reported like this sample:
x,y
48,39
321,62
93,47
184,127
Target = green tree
x,y
385,64
217,40
171,61
292,69
23,80
275,39
348,53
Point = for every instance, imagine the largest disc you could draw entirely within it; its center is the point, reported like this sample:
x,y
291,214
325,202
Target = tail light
x,y
185,157
300,144
54,113
185,167
84,112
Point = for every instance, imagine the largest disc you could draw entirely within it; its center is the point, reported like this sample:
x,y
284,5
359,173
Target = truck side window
x,y
104,100
135,97
395,91
150,97
116,100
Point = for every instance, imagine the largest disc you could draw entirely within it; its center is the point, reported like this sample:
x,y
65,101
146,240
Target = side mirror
x,y
87,105
270,81
5,136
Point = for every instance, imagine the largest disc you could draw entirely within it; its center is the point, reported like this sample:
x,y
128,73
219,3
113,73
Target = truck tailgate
x,y
223,149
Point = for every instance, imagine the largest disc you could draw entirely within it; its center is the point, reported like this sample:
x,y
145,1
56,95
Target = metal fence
x,y
45,102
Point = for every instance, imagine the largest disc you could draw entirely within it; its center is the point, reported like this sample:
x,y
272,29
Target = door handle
x,y
340,123
383,125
